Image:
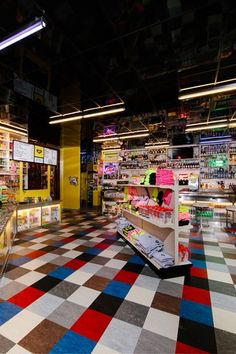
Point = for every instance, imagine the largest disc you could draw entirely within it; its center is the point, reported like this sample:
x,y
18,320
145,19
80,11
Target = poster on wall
x,y
50,156
23,151
38,154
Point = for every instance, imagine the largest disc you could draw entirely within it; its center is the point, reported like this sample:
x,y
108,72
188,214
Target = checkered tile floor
x,y
78,288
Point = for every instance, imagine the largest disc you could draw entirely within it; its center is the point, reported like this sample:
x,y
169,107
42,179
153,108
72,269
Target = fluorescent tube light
x,y
212,91
101,140
156,146
56,121
133,136
88,109
13,129
206,127
110,111
206,123
204,85
32,28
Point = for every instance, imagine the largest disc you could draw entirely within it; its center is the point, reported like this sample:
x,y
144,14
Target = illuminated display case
x,y
7,234
38,214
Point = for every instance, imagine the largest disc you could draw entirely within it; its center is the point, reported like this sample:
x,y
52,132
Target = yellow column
x,y
70,174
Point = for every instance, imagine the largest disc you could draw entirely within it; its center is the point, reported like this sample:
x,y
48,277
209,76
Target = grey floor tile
x,y
66,314
132,313
5,344
107,272
153,343
220,287
223,301
60,260
170,288
121,336
11,289
225,342
232,270
64,289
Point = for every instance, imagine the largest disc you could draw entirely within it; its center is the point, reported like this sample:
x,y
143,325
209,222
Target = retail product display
x,y
34,215
152,220
7,233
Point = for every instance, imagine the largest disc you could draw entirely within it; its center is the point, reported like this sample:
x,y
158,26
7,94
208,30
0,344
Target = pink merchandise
x,y
167,197
164,176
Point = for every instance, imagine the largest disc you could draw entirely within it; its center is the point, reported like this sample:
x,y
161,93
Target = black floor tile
x,y
107,304
47,283
197,335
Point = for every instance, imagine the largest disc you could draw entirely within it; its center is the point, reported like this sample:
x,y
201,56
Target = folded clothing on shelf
x,y
149,243
164,259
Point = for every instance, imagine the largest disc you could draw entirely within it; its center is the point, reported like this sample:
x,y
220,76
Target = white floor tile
x,y
72,254
37,246
230,262
140,295
79,277
162,323
30,278
84,296
115,263
17,349
34,264
45,305
103,349
70,245
20,325
108,254
214,253
219,276
48,257
224,320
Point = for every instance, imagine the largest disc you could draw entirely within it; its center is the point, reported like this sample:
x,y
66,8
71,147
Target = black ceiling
x,y
139,51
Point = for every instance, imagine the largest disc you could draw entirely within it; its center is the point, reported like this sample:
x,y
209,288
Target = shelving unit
x,y
168,233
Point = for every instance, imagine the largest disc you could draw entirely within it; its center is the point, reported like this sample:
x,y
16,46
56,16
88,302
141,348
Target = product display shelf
x,y
167,233
7,234
149,220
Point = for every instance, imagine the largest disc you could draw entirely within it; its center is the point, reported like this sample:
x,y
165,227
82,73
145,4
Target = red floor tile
x,y
36,254
68,239
92,324
182,348
75,264
199,272
25,297
196,294
102,246
126,277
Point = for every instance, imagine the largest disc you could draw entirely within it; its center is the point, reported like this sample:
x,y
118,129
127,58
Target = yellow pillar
x,y
70,168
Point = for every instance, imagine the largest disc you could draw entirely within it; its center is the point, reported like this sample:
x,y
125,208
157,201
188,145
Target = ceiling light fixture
x,y
65,120
31,28
101,140
88,109
117,137
13,129
206,123
212,91
156,146
133,136
207,127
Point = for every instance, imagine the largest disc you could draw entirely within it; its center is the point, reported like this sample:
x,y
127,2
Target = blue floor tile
x,y
20,261
117,288
74,343
94,251
7,311
136,259
62,272
196,312
198,264
197,250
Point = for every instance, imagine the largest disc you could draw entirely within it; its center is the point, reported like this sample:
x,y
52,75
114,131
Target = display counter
x,y
7,233
30,215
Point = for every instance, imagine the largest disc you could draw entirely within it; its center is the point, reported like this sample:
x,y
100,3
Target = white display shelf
x,y
149,220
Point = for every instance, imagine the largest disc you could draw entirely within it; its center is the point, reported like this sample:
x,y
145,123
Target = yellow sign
x,y
38,151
